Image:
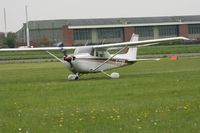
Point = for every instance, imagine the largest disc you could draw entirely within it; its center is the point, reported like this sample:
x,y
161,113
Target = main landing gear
x,y
113,75
76,76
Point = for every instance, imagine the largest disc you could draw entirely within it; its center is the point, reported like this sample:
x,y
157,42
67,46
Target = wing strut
x,y
55,57
110,58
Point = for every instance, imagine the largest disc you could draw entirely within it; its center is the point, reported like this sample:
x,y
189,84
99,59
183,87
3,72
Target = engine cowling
x,y
69,58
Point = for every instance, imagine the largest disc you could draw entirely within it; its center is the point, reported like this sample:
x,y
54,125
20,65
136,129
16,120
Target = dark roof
x,y
50,24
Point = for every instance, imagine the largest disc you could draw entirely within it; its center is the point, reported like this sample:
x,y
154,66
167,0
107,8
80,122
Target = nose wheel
x,y
73,77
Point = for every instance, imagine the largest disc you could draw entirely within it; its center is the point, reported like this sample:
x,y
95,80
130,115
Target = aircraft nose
x,y
69,58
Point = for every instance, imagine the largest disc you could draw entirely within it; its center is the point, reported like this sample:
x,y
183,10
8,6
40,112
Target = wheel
x,y
77,78
114,75
73,77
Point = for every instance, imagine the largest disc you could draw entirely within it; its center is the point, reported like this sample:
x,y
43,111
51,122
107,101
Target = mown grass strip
x,y
151,97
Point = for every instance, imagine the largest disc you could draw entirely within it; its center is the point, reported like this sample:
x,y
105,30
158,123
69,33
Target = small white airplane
x,y
96,58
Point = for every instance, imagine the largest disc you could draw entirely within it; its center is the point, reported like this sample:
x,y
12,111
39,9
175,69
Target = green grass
x,y
149,97
170,49
20,55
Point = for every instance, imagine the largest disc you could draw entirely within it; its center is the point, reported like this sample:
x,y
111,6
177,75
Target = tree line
x,y
9,41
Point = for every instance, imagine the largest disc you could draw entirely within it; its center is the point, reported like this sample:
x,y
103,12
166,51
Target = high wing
x,y
39,49
105,46
139,43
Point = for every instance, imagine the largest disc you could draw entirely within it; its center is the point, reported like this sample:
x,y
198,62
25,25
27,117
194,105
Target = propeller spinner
x,y
68,58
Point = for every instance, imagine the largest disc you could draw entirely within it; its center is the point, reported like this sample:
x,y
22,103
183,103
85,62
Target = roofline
x,y
131,25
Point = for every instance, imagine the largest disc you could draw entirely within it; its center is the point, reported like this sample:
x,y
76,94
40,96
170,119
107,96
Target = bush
x,y
10,41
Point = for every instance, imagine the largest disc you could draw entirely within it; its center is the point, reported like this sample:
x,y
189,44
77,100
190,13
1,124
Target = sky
x,y
76,9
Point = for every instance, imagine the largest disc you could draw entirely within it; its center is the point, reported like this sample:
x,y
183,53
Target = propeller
x,y
68,58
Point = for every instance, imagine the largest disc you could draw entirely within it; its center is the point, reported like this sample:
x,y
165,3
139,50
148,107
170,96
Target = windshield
x,y
94,52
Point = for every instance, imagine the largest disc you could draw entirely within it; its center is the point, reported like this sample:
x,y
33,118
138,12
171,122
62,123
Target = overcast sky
x,y
70,9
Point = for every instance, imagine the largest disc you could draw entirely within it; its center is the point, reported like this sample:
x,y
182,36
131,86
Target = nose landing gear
x,y
73,77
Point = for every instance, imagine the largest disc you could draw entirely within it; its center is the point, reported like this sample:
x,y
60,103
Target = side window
x,y
99,54
92,52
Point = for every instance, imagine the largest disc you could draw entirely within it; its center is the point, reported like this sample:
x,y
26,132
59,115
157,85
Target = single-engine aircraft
x,y
96,58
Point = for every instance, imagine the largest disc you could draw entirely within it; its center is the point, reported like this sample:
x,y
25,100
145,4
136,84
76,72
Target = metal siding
x,y
53,28
47,24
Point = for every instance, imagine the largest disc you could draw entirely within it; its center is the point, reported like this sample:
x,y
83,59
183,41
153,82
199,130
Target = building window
x,y
109,33
194,29
168,30
83,34
144,31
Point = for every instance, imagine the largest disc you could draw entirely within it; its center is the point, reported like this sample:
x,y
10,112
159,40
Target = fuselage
x,y
89,60
86,63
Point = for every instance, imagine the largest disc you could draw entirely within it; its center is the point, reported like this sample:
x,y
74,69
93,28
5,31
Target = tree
x,y
2,38
10,40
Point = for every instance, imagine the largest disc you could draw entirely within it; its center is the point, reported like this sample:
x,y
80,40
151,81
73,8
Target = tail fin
x,y
131,55
132,52
134,38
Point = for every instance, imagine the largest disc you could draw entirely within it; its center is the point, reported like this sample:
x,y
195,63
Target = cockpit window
x,y
91,51
101,53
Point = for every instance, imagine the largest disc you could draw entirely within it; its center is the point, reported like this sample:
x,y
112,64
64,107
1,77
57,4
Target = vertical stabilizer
x,y
134,38
131,54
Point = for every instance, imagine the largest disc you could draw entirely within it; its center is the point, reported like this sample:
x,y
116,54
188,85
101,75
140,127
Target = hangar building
x,y
98,31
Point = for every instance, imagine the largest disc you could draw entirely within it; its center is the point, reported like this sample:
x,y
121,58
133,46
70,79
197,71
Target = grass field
x,y
149,97
170,49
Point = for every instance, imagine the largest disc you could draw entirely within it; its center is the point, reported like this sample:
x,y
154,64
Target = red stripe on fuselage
x,y
104,59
